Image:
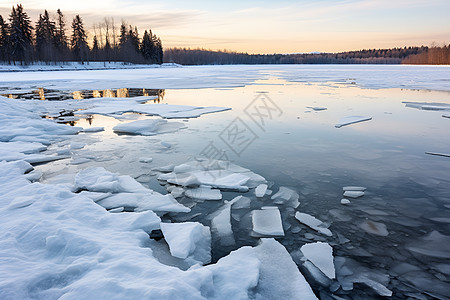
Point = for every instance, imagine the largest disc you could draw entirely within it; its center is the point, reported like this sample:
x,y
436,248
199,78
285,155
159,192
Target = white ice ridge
x,y
428,105
149,127
313,223
321,255
213,173
190,240
126,192
351,120
55,244
267,221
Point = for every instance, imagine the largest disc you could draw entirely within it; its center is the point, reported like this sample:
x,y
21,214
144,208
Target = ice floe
x,y
149,127
434,244
351,120
286,196
321,255
317,108
221,225
354,188
260,190
188,240
345,201
428,105
313,223
267,221
213,173
353,194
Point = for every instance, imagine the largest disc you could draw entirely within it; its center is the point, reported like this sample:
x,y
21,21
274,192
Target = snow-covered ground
x,y
96,235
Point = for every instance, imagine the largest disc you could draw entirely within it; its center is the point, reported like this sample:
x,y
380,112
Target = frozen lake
x,y
282,126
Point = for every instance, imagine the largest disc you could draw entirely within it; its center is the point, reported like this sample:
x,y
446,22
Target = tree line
x,y
47,41
406,55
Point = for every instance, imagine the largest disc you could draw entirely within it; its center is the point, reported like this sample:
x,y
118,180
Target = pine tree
x,y
4,41
95,48
147,47
61,39
46,39
79,45
20,35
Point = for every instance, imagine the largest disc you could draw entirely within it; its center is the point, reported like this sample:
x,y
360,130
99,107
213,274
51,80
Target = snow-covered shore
x,y
75,66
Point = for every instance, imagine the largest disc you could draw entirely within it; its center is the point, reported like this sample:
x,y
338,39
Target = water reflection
x,y
48,94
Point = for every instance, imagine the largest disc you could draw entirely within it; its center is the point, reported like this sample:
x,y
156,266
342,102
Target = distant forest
x,y
48,41
407,55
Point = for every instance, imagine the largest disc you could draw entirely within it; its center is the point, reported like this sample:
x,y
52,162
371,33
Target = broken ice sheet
x,y
213,173
321,255
267,221
354,188
351,120
434,244
188,240
313,223
148,127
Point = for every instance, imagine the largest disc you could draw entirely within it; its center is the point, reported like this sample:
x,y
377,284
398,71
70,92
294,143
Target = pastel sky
x,y
268,26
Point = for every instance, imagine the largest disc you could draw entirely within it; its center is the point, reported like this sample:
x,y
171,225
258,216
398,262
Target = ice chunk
x,y
93,129
321,255
221,225
279,277
446,115
351,120
190,239
374,228
145,159
313,223
434,244
318,275
286,196
345,201
354,188
260,190
177,192
204,193
149,127
240,202
267,221
376,286
353,194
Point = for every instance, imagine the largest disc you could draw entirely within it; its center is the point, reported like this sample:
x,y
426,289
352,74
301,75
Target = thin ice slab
x,y
204,193
321,255
267,221
286,196
351,120
353,194
313,223
260,190
354,188
374,228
